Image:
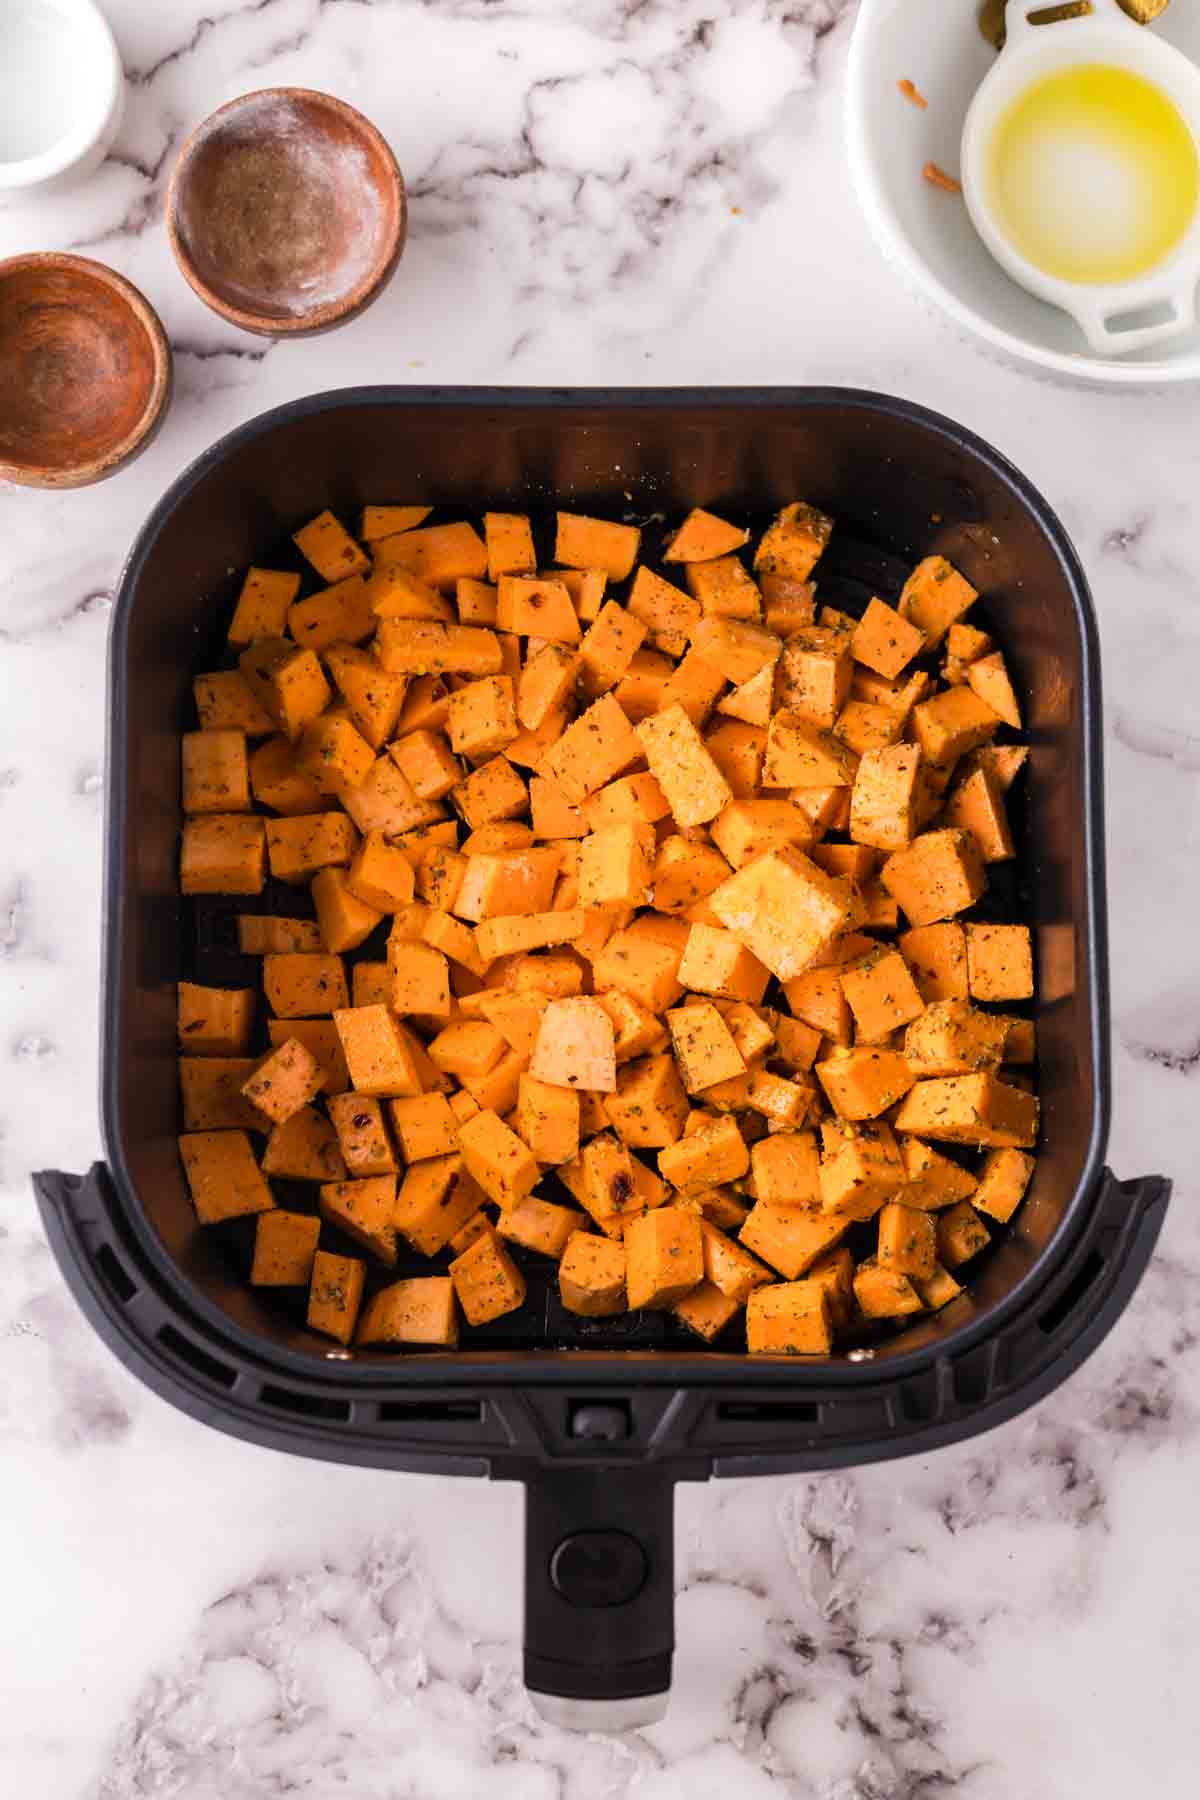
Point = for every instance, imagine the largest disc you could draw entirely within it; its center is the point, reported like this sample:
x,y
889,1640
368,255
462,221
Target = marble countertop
x,y
615,191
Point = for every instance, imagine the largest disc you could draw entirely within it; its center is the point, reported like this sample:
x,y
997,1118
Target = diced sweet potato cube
x,y
669,615
287,682
817,999
321,1038
262,607
420,980
548,1119
999,962
344,919
988,678
277,781
881,994
937,956
341,613
939,1288
784,1102
509,544
784,908
366,1211
536,606
591,1276
546,683
223,853
438,554
931,1180
304,1148
863,1082
800,754
609,646
952,1038
907,1241
476,602
977,807
216,775
362,1134
425,1126
533,931
724,589
487,1281
935,596
1002,1182
493,791
884,1293
424,759
260,934
649,1107
585,543
436,1198
704,1049
794,543
616,865
378,1053
813,680
884,641
214,1021
302,986
284,1082
693,785
951,723
608,1187
738,750
791,1238
694,687
497,1159
225,702
686,872
575,1046
419,1311
540,1225
706,1311
706,1157
745,829
786,1169
939,875
730,1268
863,726
884,804
482,718
394,592
385,521
328,546
961,1234
716,962
370,984
224,1178
429,647
335,1295
298,848
380,876
702,537
792,1318
285,1244
971,1109
860,1176
508,883
664,1257
752,701
466,1047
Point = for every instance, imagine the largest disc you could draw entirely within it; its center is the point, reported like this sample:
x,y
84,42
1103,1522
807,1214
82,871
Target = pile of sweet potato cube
x,y
660,875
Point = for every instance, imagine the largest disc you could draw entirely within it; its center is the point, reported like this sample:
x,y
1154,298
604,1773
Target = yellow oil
x,y
1094,174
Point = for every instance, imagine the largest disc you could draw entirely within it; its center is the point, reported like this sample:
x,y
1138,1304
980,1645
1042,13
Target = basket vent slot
x,y
113,1271
196,1359
1072,1294
431,1412
768,1412
309,1406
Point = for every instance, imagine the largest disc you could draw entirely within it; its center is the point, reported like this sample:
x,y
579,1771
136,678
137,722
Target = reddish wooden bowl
x,y
85,371
286,212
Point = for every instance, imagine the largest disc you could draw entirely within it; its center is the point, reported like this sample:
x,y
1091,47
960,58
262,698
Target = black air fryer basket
x,y
600,1435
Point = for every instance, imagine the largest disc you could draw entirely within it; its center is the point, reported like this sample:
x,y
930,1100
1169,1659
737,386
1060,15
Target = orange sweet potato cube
x,y
425,1126
951,723
285,1244
860,1176
685,873
335,1295
380,877
664,1253
509,544
702,537
1003,1179
224,702
541,1225
976,806
385,521
792,1238
424,759
298,847
864,726
486,1280
436,1198
718,963
937,956
706,1311
584,543
277,781
863,1082
669,615
438,554
223,853
732,1270
961,1234
287,682
597,747
746,828
365,1210
224,1178
649,1107
884,641
576,1046
784,908
345,920
548,1119
493,791
328,546
616,865
724,589
794,543
497,1159
801,754
536,606
884,1293
693,785
482,717
378,1054
284,1082
938,1289
989,679
971,1109
362,1134
907,1241
935,596
999,962
216,777
340,613
815,671
420,979
706,1157
693,686
591,1276
791,1318
704,1049
886,797
419,1311
553,815
881,994
262,606
546,683
214,1021
373,698
931,1180
299,985
786,1169
951,1037
939,875
609,646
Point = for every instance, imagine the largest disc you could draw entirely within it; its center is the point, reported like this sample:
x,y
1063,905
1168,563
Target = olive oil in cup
x,y
1081,172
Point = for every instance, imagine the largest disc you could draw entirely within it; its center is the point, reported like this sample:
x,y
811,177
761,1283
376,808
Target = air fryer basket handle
x,y
600,1594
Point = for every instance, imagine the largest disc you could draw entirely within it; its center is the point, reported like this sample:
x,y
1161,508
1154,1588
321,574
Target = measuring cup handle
x,y
1095,316
1019,15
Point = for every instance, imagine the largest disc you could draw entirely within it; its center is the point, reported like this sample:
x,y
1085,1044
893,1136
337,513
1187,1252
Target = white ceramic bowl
x,y
62,91
926,233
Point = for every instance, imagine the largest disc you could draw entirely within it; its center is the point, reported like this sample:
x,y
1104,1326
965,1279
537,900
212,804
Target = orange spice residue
x,y
913,93
938,178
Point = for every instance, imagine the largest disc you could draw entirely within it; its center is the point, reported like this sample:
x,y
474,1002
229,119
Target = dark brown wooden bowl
x,y
85,371
286,212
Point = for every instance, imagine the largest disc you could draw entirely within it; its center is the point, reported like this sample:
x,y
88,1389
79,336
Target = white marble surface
x,y
602,191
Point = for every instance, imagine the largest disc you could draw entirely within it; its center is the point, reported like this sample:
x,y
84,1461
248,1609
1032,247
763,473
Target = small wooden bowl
x,y
286,212
85,371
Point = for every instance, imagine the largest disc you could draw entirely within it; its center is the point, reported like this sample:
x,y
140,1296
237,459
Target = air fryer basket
x,y
600,1436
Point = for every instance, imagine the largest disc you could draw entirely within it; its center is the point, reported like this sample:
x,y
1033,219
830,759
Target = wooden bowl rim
x,y
108,461
329,312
